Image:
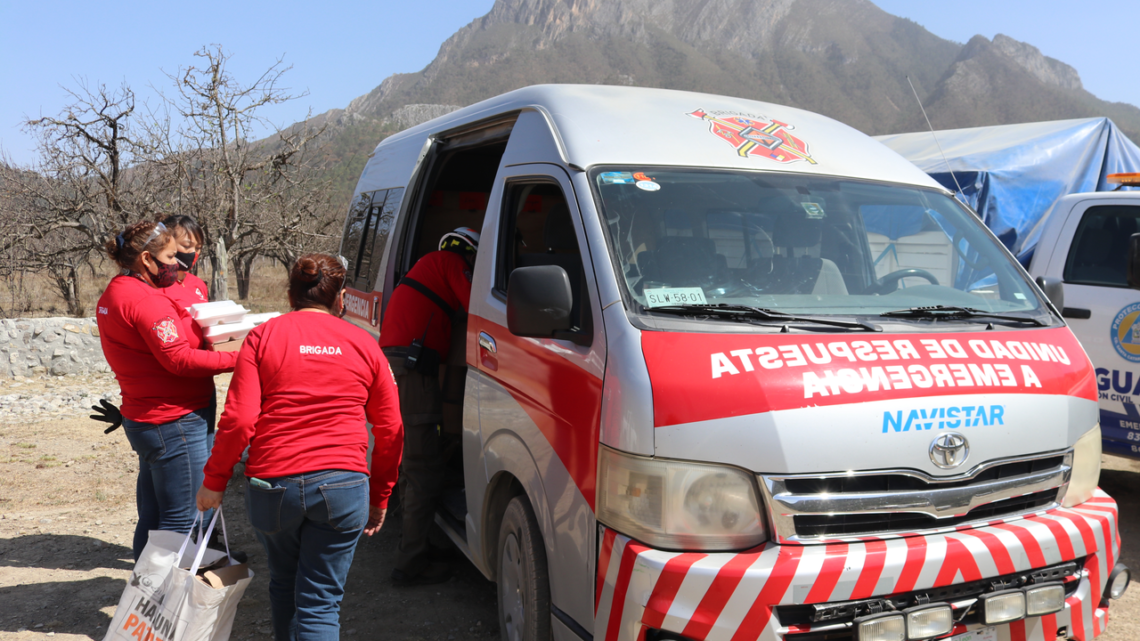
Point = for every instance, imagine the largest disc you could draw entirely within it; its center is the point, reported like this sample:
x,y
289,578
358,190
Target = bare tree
x,y
258,198
82,189
102,164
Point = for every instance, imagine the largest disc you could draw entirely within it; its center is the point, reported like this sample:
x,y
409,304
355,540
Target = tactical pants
x,y
423,467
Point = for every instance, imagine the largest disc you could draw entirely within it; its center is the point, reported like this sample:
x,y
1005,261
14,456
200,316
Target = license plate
x,y
981,634
675,296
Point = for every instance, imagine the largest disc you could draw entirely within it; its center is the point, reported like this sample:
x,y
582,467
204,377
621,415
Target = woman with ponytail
x,y
167,386
305,385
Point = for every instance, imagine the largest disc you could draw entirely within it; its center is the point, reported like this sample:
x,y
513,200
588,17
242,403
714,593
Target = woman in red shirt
x,y
305,385
190,290
167,385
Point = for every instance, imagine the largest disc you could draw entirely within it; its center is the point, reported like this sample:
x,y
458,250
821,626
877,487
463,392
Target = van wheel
x,y
524,587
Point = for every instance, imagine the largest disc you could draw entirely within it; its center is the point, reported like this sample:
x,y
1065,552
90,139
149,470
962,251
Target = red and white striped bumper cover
x,y
731,596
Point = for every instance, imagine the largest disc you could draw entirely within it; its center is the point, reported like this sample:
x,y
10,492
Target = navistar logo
x,y
942,418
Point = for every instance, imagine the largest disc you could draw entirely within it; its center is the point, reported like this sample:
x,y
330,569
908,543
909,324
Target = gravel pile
x,y
36,399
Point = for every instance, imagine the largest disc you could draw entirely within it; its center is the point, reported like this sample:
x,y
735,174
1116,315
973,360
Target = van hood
x,y
821,403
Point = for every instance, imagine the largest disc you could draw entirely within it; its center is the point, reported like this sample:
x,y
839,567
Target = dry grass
x,y
35,296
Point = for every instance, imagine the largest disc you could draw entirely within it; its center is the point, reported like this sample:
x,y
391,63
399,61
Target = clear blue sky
x,y
340,50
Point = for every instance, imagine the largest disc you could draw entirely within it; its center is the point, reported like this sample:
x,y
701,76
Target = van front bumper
x,y
735,596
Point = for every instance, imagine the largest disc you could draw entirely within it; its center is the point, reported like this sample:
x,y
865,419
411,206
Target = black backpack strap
x,y
432,296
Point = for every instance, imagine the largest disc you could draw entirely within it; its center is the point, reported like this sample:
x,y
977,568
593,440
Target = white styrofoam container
x,y
226,332
209,314
258,319
199,308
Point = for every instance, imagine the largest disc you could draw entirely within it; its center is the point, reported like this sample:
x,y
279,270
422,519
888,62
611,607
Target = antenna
x,y
946,160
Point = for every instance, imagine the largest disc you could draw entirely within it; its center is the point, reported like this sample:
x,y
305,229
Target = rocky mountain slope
x,y
844,58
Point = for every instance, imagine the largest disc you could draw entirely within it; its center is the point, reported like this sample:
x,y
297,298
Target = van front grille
x,y
819,507
818,525
906,483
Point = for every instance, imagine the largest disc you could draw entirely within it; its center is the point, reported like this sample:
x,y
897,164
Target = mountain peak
x,y
846,59
1049,71
732,24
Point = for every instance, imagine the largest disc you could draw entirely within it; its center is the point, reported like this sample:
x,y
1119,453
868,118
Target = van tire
x,y
523,582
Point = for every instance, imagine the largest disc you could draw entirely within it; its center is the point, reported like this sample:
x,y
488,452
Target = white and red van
x,y
692,408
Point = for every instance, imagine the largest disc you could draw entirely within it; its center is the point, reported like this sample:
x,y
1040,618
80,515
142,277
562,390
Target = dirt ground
x,y
67,517
67,507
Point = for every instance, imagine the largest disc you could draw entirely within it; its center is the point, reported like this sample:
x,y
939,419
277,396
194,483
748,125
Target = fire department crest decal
x,y
166,330
756,136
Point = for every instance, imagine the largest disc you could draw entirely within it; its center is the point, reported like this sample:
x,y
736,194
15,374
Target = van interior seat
x,y
686,261
796,269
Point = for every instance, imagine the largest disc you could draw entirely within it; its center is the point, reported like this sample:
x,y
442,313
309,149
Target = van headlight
x,y
1086,468
677,504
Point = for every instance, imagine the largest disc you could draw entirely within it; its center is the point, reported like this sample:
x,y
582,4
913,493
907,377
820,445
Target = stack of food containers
x,y
225,320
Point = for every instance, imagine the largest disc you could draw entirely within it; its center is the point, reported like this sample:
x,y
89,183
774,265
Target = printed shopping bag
x,y
170,598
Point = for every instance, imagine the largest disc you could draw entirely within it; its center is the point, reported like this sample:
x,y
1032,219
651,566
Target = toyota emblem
x,y
949,450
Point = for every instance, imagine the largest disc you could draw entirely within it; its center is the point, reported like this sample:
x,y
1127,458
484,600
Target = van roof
x,y
645,127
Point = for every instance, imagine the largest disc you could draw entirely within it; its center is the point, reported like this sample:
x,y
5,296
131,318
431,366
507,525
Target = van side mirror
x,y
539,301
1054,289
1134,261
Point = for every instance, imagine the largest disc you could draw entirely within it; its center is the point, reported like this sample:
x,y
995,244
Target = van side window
x,y
537,229
1099,253
355,229
381,217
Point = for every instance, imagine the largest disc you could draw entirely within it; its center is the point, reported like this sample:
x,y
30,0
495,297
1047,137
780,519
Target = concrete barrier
x,y
56,346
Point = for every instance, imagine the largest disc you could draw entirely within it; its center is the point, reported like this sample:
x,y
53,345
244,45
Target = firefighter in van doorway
x,y
423,330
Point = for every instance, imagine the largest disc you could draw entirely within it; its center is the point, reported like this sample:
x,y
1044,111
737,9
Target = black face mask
x,y
185,260
167,274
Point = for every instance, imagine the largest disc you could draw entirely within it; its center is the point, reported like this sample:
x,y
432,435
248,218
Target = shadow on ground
x,y
63,552
63,607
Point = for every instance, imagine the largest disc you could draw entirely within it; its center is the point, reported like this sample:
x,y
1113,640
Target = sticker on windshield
x,y
813,210
1125,333
616,178
674,296
648,185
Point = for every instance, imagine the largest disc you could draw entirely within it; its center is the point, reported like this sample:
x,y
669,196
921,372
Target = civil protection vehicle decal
x,y
1125,333
756,136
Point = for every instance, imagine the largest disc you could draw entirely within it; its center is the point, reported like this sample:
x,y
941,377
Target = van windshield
x,y
801,244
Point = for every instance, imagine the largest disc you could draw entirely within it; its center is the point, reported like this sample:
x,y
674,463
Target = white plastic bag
x,y
164,599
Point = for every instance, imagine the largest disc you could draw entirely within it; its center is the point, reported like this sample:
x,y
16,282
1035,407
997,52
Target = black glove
x,y
108,413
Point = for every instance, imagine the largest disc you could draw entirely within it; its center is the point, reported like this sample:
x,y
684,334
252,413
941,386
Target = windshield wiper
x,y
951,311
747,312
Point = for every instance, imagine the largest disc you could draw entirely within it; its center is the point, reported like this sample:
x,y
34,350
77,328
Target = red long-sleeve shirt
x,y
305,383
409,312
161,376
191,291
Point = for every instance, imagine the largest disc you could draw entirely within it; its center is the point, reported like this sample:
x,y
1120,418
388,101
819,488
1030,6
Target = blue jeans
x,y
309,525
171,458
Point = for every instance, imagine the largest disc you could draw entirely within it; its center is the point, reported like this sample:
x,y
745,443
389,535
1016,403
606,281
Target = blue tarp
x,y
1013,174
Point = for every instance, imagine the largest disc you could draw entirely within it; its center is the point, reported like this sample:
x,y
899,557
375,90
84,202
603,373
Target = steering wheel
x,y
890,282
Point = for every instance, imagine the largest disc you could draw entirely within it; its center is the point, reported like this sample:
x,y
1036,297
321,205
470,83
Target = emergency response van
x,y
692,408
1086,247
